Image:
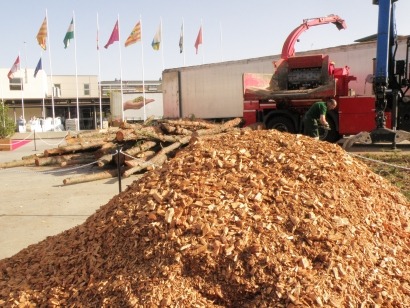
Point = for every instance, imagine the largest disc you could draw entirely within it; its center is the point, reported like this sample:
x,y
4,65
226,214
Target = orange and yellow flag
x,y
42,34
135,35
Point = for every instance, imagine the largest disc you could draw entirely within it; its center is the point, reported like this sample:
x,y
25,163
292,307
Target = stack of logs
x,y
140,146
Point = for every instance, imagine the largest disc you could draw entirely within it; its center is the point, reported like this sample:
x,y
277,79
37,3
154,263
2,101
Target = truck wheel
x,y
331,135
281,124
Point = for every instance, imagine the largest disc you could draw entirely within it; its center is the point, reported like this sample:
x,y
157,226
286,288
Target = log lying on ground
x,y
78,161
18,163
92,177
74,148
56,160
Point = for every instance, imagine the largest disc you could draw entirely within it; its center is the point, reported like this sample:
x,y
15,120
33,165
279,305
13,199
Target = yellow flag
x,y
135,35
42,34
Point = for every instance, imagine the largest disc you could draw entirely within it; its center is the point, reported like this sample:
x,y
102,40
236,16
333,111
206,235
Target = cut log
x,y
105,149
55,160
189,123
141,159
18,163
158,159
125,134
91,177
140,148
176,129
78,161
74,148
221,128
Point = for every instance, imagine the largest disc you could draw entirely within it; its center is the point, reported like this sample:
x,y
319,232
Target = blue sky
x,y
232,30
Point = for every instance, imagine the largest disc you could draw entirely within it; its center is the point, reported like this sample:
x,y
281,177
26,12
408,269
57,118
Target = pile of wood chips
x,y
240,219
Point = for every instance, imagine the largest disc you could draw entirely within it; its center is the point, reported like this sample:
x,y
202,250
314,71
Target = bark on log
x,y
125,134
106,148
91,177
189,123
138,161
140,148
73,148
78,161
158,159
18,163
55,160
176,130
221,128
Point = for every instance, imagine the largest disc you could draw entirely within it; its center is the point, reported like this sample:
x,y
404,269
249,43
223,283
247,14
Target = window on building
x,y
16,84
86,89
57,90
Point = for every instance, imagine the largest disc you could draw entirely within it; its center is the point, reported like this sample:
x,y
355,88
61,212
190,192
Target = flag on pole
x,y
181,39
14,68
156,41
42,34
198,39
135,35
115,36
70,34
38,67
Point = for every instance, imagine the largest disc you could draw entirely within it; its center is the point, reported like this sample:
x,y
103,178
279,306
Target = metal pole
x,y
119,167
35,145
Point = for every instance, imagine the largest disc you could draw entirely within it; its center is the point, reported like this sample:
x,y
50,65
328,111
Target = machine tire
x,y
282,124
329,135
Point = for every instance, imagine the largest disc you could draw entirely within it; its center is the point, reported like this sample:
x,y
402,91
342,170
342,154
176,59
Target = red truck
x,y
280,100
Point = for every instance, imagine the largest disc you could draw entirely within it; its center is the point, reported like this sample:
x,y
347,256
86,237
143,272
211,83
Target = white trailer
x,y
214,91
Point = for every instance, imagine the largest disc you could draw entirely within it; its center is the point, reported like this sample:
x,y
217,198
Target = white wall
x,y
33,88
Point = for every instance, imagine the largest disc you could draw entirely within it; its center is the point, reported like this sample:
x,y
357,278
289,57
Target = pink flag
x,y
115,36
14,68
198,40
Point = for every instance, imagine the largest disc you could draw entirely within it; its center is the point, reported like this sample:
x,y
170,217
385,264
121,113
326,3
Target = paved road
x,y
34,204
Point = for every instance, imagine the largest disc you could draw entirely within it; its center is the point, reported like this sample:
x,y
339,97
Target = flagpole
x,y
222,52
51,73
42,89
76,71
25,51
143,79
99,74
203,49
119,48
162,47
22,95
183,35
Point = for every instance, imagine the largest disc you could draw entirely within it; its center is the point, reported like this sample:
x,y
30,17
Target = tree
x,y
7,126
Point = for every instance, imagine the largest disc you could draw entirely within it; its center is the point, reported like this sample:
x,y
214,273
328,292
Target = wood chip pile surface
x,y
240,219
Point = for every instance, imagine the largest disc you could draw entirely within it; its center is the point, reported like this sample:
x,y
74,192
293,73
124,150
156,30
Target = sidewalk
x,y
35,205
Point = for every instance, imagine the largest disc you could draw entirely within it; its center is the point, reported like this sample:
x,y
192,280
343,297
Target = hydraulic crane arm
x,y
288,49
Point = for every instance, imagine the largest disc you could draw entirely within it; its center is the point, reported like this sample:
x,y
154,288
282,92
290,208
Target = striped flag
x,y
38,68
135,35
115,36
156,41
69,35
198,40
42,34
14,68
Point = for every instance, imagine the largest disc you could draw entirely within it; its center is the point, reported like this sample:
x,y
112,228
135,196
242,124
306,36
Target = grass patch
x,y
395,167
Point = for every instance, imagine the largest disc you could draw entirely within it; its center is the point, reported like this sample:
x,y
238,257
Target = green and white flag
x,y
70,34
156,41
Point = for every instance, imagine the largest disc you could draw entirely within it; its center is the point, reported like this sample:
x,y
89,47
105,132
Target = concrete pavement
x,y
35,204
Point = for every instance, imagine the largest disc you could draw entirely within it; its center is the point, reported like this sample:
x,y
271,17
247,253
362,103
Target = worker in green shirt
x,y
315,115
